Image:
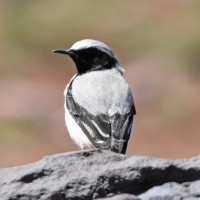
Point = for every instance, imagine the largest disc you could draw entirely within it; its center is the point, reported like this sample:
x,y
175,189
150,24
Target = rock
x,y
97,174
172,191
121,197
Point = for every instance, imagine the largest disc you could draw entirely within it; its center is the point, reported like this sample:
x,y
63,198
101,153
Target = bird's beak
x,y
62,51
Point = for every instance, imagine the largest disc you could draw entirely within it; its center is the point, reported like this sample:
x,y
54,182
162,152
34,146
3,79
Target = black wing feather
x,y
121,131
84,119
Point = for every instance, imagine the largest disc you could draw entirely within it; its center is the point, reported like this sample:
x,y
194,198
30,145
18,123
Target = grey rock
x,y
121,197
94,174
172,191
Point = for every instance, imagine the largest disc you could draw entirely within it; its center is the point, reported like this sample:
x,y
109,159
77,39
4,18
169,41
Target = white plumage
x,y
102,92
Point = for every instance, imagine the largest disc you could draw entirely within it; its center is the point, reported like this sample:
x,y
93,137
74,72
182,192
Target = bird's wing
x,y
121,126
104,131
96,128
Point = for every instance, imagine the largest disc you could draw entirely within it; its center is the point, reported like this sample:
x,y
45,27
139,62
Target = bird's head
x,y
91,55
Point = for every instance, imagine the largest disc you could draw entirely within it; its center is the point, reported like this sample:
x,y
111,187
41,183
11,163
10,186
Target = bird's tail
x,y
118,146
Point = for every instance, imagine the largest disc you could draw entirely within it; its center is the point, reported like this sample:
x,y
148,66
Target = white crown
x,y
88,43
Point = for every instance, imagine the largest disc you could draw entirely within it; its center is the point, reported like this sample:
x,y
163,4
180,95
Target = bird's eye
x,y
71,52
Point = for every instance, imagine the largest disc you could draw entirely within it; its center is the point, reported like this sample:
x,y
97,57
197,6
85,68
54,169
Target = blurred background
x,y
156,42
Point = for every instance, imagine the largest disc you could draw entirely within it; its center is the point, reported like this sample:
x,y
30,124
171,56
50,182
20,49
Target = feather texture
x,y
105,119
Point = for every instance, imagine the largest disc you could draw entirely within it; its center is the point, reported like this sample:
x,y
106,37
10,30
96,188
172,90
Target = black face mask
x,y
92,59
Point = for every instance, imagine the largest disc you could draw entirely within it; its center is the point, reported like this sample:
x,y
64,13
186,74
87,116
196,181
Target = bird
x,y
99,105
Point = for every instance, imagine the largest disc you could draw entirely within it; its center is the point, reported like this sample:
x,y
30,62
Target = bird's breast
x,y
101,92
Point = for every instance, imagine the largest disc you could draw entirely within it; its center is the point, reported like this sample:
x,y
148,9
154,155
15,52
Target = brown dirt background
x,y
157,43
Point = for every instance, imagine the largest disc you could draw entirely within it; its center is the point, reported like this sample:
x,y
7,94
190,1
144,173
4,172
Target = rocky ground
x,y
96,174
